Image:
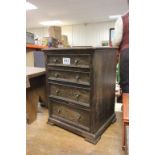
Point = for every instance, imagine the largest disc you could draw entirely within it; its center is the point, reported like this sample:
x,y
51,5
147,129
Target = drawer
x,y
77,117
70,76
70,93
76,60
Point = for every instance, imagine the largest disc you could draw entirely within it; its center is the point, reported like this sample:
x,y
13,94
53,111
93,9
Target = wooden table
x,y
125,118
35,91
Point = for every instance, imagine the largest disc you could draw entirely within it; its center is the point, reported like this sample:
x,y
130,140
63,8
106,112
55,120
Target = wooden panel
x,y
70,92
104,85
75,116
82,61
31,105
78,77
34,94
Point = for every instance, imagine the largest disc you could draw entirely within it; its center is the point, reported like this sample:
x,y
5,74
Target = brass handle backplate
x,y
55,60
77,96
77,77
57,91
59,111
76,61
79,117
56,75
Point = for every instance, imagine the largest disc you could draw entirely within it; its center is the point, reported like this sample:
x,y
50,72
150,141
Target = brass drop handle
x,y
79,117
77,96
77,77
55,60
59,111
56,75
76,61
57,91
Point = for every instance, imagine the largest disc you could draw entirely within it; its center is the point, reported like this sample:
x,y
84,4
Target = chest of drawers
x,y
81,89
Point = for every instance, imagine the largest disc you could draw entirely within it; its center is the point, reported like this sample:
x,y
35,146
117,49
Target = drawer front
x,y
82,61
70,92
70,76
76,116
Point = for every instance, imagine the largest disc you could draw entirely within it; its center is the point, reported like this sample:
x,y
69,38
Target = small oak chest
x,y
81,89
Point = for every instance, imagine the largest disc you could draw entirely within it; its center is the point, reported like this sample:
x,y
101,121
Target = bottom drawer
x,y
76,117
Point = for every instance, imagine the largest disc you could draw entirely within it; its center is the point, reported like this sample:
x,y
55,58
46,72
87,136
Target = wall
x,y
41,32
82,34
30,58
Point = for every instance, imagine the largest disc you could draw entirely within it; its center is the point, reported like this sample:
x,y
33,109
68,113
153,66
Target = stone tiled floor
x,y
44,139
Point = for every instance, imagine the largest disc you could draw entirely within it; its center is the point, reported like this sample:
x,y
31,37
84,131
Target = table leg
x,y
31,105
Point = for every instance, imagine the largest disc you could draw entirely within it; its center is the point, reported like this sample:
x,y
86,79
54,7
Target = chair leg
x,y
124,137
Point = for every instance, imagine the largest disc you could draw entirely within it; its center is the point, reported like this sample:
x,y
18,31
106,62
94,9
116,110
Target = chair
x,y
125,118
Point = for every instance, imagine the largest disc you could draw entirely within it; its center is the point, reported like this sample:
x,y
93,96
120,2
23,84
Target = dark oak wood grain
x,y
82,93
70,76
70,92
76,116
34,93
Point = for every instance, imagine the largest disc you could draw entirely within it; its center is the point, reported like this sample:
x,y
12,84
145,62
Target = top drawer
x,y
69,60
